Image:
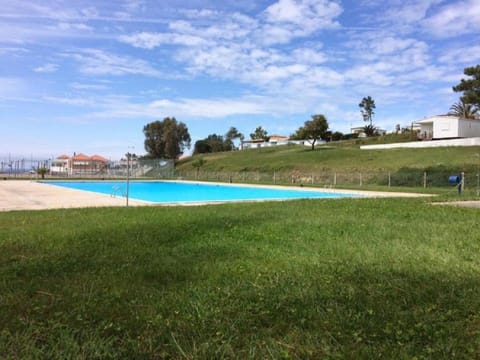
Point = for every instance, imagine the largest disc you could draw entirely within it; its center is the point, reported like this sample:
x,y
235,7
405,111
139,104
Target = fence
x,y
136,168
403,178
164,169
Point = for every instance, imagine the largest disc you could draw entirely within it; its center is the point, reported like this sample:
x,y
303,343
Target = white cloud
x,y
90,12
98,62
285,11
89,87
47,68
242,48
208,108
462,54
152,40
70,27
273,34
12,87
391,45
309,56
145,40
376,74
289,19
404,14
461,17
13,51
69,100
191,108
301,12
200,13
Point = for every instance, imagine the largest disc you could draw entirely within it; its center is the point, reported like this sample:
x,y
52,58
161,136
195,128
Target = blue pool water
x,y
182,192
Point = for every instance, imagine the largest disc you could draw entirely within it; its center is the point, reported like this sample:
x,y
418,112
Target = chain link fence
x,y
330,179
55,169
165,169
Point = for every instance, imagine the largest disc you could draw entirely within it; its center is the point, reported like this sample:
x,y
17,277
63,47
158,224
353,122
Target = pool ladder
x,y
118,190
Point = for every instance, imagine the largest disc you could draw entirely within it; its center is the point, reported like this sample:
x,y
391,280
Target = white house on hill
x,y
448,127
274,140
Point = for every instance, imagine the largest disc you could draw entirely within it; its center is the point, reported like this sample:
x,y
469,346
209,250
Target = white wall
x,y
445,127
425,144
469,128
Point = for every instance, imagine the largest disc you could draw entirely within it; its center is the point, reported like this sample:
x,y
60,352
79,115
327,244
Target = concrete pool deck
x,y
31,195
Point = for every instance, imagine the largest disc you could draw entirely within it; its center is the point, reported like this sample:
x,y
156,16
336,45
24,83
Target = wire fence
x,y
165,169
134,167
330,179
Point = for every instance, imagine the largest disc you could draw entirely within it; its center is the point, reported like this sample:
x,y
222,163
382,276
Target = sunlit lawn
x,y
365,278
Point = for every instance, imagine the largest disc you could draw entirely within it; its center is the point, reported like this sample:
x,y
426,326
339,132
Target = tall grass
x,y
365,278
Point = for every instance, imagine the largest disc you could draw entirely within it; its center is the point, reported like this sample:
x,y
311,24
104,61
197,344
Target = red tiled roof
x,y
81,157
97,157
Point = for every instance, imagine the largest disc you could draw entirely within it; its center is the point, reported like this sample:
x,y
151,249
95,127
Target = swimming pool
x,y
192,192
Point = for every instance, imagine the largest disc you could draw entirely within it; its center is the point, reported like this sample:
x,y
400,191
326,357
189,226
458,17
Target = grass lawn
x,y
331,279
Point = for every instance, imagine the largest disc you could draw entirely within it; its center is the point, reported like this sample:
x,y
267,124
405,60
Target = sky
x,y
87,76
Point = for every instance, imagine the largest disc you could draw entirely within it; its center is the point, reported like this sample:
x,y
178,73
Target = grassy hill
x,y
331,157
400,167
338,156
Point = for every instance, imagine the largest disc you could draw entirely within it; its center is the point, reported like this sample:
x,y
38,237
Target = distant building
x,y
360,130
274,140
80,164
448,127
61,165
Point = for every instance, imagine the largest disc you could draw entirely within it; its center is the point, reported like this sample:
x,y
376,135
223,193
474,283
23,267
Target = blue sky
x,y
86,76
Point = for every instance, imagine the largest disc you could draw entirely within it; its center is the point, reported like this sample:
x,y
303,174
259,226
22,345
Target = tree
x,y
337,135
367,106
470,87
233,134
166,139
259,133
461,109
42,171
313,129
212,143
202,147
370,130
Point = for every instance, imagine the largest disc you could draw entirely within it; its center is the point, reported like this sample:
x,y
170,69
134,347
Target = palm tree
x,y
461,109
42,172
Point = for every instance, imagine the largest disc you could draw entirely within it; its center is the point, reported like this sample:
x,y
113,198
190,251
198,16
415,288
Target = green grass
x,y
337,157
332,279
342,164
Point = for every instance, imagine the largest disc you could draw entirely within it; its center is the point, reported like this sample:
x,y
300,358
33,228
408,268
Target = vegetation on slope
x,y
337,157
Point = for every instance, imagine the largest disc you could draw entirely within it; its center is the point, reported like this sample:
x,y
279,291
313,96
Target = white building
x,y
275,140
448,127
360,130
